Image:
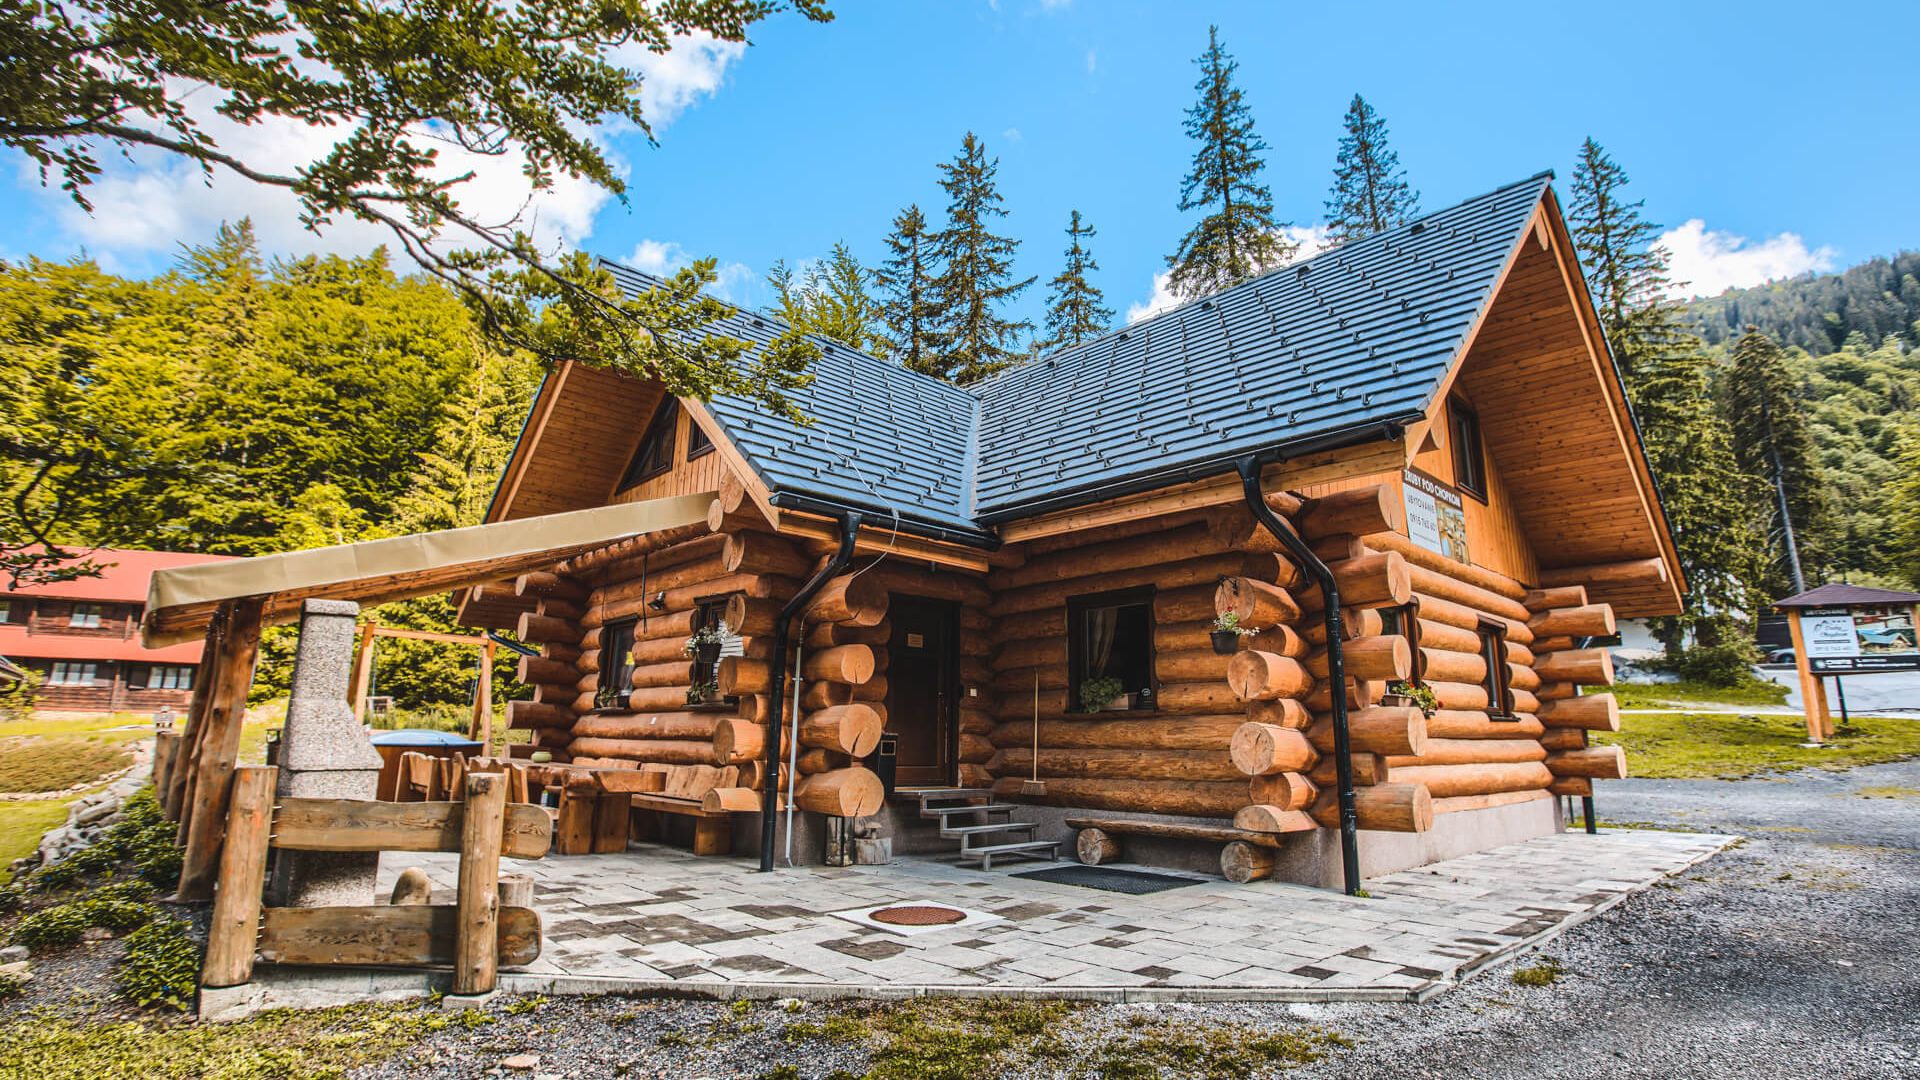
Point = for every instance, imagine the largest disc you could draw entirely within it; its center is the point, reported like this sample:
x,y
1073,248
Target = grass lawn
x,y
22,824
1667,746
1654,695
272,1046
57,762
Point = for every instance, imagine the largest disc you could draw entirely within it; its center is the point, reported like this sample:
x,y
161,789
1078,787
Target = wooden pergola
x,y
227,604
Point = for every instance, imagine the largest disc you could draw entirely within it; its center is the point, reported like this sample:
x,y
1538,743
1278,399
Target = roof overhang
x,y
181,601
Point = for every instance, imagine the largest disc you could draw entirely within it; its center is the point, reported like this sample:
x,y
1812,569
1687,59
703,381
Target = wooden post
x,y
205,813
166,747
476,966
1813,689
173,796
481,730
243,873
363,670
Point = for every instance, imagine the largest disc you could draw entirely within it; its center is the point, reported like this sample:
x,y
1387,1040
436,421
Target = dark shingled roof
x,y
1329,347
1841,594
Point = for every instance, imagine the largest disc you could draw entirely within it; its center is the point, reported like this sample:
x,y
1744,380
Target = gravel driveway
x,y
1792,954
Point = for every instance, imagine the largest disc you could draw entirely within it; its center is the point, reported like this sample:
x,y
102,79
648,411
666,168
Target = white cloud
x,y
1012,134
663,257
1093,60
1707,262
149,202
1311,241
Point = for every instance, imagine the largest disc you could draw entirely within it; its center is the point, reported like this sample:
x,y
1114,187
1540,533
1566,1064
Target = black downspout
x,y
782,627
1310,563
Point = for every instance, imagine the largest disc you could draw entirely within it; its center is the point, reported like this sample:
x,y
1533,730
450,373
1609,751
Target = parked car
x,y
1780,656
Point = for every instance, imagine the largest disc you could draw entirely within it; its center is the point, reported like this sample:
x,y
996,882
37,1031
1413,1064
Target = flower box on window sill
x,y
1123,703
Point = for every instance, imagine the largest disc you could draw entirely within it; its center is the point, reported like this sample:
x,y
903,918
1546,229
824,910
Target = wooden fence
x,y
475,934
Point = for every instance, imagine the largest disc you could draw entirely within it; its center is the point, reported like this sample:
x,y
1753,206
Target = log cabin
x,y
983,615
80,637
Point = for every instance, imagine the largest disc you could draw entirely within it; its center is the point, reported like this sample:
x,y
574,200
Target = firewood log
x,y
1096,846
1241,862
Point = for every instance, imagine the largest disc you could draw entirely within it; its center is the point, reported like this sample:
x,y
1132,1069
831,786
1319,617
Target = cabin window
x,y
72,673
1469,458
616,665
698,444
1493,649
85,616
655,454
160,677
1110,637
712,611
1404,621
6,611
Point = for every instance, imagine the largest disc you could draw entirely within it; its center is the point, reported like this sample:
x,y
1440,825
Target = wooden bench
x,y
602,807
1246,856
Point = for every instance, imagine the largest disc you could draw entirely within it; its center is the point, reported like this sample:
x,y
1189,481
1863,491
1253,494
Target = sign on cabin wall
x,y
1853,640
1436,518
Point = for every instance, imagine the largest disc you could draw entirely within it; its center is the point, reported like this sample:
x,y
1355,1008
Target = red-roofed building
x,y
83,637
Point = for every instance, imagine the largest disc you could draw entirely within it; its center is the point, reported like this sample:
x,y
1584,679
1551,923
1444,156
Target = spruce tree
x,y
976,272
1076,309
1904,506
830,300
1370,189
906,282
1710,504
1238,237
1772,441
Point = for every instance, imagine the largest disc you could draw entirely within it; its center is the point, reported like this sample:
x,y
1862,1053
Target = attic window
x,y
1469,458
655,454
697,442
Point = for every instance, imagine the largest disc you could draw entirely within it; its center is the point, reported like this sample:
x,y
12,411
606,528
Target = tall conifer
x,y
1238,237
830,300
1370,189
1710,504
1076,309
1774,445
907,302
976,271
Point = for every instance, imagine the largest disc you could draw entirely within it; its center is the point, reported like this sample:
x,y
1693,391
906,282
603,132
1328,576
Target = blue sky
x,y
1786,132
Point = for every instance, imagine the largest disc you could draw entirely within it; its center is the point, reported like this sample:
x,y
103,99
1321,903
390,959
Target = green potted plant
x,y
704,644
1226,633
1104,692
1401,692
702,693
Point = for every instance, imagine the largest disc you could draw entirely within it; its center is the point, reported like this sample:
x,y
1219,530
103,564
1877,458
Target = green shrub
x,y
1729,663
11,985
51,927
161,965
112,908
1544,973
142,836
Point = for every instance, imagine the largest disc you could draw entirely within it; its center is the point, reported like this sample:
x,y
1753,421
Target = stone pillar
x,y
324,754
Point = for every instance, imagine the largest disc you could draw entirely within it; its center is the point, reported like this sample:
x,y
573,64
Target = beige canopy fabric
x,y
181,600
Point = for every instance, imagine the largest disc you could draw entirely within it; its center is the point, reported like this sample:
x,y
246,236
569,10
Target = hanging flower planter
x,y
1225,642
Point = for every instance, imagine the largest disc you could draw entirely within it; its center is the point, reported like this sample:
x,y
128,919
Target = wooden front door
x,y
921,666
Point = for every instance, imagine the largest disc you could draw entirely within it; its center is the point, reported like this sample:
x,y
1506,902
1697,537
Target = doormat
x,y
1110,879
918,915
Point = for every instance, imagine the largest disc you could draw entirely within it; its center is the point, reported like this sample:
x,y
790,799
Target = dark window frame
x,y
1493,649
1077,607
714,608
1469,449
1404,620
654,455
616,667
699,445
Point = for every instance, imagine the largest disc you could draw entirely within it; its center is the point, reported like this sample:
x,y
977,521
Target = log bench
x,y
1246,856
601,807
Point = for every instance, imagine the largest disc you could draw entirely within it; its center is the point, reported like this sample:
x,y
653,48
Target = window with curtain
x,y
73,673
1110,636
655,453
616,665
712,611
160,677
85,616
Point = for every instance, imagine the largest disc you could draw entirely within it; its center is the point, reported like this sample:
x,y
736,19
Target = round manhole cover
x,y
917,915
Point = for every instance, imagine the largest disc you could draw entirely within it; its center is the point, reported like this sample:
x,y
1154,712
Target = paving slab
x,y
659,919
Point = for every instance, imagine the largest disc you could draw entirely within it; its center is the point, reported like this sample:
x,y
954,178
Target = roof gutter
x,y
984,539
1311,565
1340,438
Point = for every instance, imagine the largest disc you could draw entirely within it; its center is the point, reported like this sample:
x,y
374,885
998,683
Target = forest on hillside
x,y
239,406
1878,299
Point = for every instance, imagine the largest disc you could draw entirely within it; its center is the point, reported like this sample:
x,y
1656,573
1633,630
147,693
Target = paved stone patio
x,y
656,918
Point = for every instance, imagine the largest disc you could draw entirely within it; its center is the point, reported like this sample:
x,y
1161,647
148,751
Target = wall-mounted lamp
x,y
658,602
